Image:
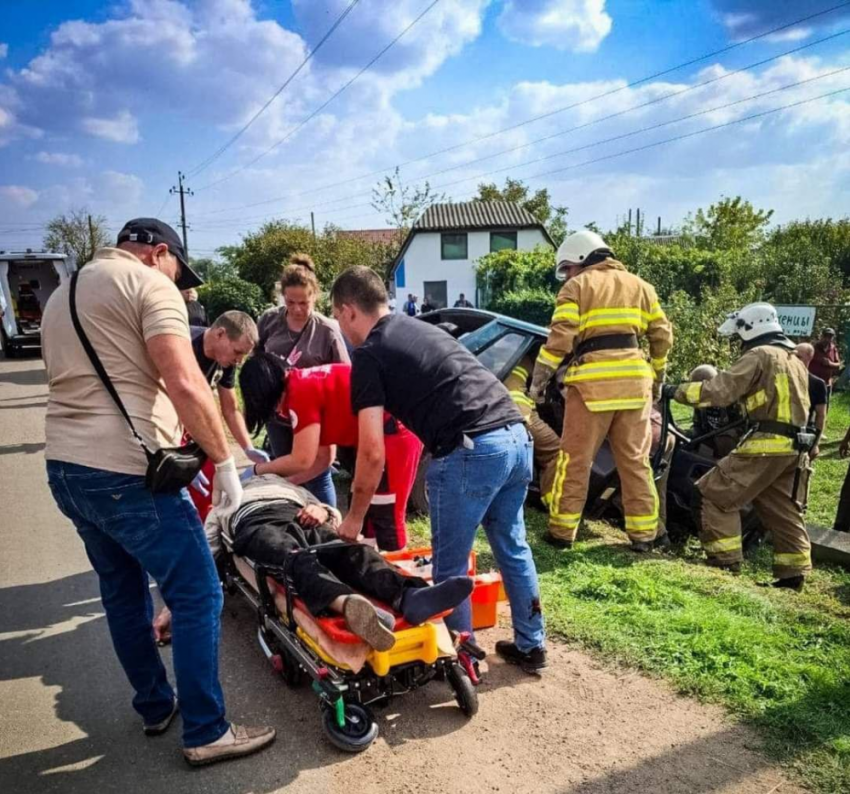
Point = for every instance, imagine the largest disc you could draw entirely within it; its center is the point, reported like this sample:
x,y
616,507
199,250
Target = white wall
x,y
422,263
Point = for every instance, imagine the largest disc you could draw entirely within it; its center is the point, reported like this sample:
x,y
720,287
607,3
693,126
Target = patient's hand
x,y
312,516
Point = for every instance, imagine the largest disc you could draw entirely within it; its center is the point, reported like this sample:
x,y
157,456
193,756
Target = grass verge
x,y
778,660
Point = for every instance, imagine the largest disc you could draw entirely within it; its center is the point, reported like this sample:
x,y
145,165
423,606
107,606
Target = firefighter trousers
x,y
767,482
547,446
628,433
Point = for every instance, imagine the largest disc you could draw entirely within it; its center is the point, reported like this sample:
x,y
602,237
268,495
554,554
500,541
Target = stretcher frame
x,y
345,697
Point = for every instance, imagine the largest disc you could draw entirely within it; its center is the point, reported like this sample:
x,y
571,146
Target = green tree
x,y
77,233
538,204
232,293
402,204
262,254
731,223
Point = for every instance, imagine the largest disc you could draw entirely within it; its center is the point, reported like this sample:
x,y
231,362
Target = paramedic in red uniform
x,y
317,402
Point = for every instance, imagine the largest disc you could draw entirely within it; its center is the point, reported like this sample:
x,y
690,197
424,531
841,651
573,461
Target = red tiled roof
x,y
383,236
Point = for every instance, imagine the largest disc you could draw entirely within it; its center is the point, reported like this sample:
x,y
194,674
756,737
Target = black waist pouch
x,y
169,469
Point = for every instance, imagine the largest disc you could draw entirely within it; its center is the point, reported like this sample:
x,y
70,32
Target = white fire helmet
x,y
752,321
575,249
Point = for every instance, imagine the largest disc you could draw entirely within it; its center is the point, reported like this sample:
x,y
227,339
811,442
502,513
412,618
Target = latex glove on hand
x,y
257,455
227,488
247,474
200,484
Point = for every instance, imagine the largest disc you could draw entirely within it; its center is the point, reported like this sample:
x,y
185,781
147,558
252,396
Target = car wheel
x,y
418,502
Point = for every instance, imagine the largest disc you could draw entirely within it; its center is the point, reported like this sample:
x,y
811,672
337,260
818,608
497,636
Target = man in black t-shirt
x,y
480,448
218,350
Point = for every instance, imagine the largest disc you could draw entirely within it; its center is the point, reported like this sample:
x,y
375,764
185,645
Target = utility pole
x,y
91,238
313,224
637,224
183,192
630,221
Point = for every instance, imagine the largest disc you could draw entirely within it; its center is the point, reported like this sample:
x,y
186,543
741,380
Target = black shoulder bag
x,y
169,469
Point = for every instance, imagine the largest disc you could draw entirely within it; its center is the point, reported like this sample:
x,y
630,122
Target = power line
x,y
664,141
548,114
324,104
587,124
222,149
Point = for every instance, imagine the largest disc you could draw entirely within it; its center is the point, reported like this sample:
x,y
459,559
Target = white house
x,y
437,260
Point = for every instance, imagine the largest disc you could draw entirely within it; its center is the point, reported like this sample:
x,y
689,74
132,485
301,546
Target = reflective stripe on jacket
x,y
606,299
771,383
517,386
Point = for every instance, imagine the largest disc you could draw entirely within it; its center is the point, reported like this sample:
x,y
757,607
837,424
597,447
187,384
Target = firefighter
x,y
601,311
770,465
547,444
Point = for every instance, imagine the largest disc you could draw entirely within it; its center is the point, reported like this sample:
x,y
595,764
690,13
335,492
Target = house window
x,y
453,246
502,241
435,294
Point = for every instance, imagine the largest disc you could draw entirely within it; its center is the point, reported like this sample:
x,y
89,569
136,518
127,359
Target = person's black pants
x,y
322,575
842,516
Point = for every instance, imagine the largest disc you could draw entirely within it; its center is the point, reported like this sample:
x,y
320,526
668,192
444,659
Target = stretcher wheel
x,y
292,674
359,731
465,693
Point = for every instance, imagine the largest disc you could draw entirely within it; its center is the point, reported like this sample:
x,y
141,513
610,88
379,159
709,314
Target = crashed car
x,y
500,343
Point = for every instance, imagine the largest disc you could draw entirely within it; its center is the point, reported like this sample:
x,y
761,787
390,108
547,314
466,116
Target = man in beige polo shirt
x,y
135,319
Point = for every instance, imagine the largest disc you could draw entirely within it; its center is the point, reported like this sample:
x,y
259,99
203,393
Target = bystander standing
x,y
136,322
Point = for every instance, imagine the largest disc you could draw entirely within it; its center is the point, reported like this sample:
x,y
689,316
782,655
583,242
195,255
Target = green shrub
x,y
232,293
533,305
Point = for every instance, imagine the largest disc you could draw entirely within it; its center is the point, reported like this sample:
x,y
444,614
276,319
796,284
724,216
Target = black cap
x,y
151,231
829,332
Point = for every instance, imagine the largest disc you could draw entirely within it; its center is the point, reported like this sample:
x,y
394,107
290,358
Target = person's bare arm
x,y
188,390
305,448
820,418
233,417
324,459
368,470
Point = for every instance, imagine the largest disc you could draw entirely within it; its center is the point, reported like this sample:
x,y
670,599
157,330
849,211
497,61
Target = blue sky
x,y
102,102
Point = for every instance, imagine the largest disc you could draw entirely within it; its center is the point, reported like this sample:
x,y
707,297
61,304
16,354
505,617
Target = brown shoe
x,y
364,619
238,741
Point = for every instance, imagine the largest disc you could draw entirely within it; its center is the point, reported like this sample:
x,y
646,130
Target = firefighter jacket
x,y
517,385
771,383
606,299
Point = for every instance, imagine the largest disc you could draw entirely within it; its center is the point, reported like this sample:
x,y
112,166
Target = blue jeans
x,y
280,443
487,485
129,533
322,487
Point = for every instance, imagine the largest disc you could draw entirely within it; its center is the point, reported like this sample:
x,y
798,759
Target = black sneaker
x,y
532,662
794,583
157,729
558,543
641,546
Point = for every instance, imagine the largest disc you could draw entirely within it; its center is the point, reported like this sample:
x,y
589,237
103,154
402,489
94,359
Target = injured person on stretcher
x,y
283,525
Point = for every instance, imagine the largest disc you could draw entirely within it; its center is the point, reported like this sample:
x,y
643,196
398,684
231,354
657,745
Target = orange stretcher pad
x,y
331,640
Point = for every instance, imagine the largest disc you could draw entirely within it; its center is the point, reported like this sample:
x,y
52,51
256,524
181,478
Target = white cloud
x,y
19,195
59,158
4,50
574,25
120,190
122,128
746,18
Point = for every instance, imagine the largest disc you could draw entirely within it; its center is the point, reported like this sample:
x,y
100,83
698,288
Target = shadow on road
x,y
34,376
20,406
22,449
54,640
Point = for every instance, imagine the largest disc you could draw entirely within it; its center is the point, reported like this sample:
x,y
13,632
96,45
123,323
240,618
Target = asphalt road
x,y
66,724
